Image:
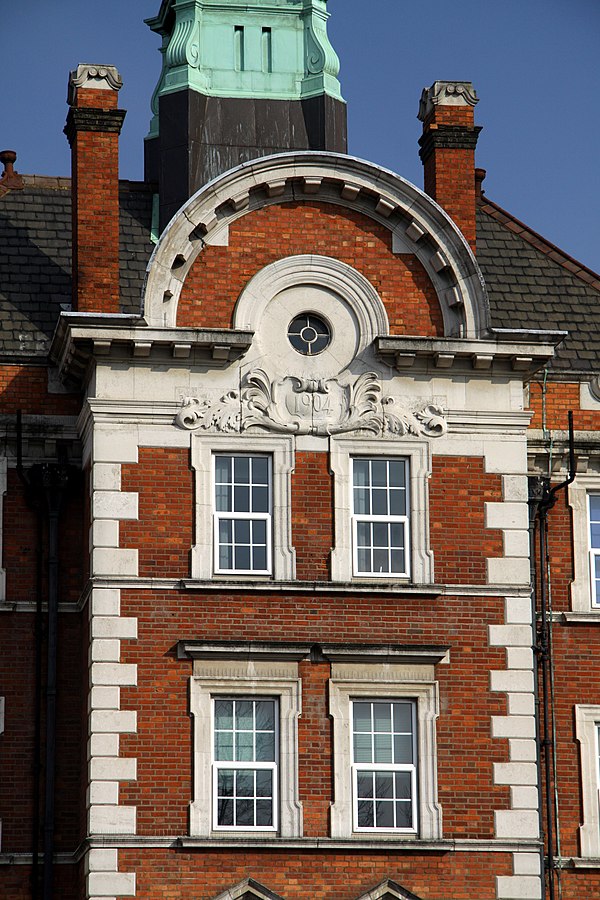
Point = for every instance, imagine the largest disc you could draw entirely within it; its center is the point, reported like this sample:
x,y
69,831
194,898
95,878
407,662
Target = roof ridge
x,y
541,243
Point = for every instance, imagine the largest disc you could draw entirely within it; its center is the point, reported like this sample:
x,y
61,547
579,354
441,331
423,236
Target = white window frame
x,y
218,765
417,455
582,587
372,681
391,767
256,679
593,553
233,516
587,723
280,449
388,520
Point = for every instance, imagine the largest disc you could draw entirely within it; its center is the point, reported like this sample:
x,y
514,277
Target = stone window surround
x,y
587,720
281,450
418,455
387,681
245,678
581,586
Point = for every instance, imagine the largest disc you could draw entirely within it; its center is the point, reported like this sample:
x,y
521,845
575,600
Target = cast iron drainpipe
x,y
546,503
47,484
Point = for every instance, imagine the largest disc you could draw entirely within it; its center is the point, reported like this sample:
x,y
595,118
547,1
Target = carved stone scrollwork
x,y
319,406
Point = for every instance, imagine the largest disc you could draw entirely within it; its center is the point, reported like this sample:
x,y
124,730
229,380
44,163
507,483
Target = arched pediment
x,y
416,223
389,890
248,890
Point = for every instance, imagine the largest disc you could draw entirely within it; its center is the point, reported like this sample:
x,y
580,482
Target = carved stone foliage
x,y
318,406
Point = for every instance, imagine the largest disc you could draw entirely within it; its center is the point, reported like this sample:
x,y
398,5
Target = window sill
x,y
584,618
404,843
369,586
580,862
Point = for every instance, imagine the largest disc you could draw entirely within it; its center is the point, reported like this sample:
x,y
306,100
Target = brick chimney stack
x,y
448,150
92,129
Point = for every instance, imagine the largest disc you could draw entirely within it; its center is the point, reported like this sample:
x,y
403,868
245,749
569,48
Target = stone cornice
x,y
81,337
269,650
521,358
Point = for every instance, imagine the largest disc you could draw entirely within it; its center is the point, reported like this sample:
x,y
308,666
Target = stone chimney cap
x,y
446,93
98,78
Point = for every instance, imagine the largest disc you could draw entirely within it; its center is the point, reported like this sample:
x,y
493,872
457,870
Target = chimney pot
x,y
479,179
10,180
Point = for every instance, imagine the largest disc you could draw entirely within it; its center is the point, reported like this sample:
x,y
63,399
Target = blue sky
x,y
534,63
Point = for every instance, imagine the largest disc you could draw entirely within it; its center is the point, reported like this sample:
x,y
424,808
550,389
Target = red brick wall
x,y
322,875
219,275
458,490
163,790
26,388
312,508
558,398
163,534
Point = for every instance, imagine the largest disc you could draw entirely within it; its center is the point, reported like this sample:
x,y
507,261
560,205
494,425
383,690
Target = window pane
x,y
362,716
244,747
224,714
396,470
225,531
242,558
265,746
225,557
225,787
244,812
382,716
224,745
265,715
398,561
403,717
244,715
259,559
225,812
366,816
260,499
264,783
223,469
264,812
380,561
362,502
363,561
363,534
383,748
396,534
403,815
380,502
403,748
361,472
384,814
363,752
380,534
379,472
403,786
223,497
245,783
259,531
241,469
398,503
364,783
594,507
595,535
241,498
260,470
384,785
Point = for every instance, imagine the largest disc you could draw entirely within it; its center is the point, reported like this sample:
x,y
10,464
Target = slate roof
x,y
35,258
531,283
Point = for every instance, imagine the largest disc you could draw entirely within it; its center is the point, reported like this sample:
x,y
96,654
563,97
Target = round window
x,y
309,334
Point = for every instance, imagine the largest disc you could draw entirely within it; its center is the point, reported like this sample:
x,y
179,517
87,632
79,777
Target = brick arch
x,y
416,224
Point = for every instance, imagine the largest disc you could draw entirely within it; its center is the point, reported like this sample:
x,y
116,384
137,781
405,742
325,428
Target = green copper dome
x,y
262,49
